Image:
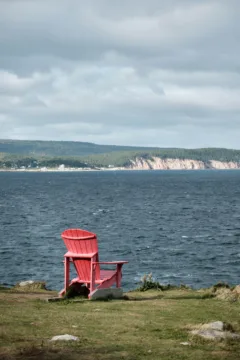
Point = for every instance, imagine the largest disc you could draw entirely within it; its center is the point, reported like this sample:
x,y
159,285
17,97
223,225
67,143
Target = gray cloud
x,y
155,73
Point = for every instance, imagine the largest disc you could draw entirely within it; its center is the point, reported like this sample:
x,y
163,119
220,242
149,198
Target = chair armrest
x,y
110,262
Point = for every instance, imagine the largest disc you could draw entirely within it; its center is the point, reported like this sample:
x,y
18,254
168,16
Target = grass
x,y
149,325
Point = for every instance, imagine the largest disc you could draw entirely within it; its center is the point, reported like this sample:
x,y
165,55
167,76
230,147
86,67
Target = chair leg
x,y
119,275
66,273
92,280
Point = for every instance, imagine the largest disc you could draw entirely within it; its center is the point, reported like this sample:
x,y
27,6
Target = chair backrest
x,y
82,242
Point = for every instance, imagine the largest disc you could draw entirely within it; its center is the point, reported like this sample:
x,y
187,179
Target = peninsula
x,y
21,155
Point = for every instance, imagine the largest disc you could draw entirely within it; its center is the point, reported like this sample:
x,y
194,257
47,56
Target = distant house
x,y
61,167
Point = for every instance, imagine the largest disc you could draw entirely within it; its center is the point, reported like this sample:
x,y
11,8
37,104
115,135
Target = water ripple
x,y
184,226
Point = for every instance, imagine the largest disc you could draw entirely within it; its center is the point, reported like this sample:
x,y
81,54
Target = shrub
x,y
148,283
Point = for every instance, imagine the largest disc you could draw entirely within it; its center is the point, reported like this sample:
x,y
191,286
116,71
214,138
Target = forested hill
x,y
16,154
60,148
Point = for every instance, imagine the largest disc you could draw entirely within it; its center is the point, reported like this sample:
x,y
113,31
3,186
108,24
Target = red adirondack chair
x,y
82,251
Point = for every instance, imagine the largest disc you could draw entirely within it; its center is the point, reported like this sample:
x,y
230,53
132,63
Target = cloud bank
x,y
156,73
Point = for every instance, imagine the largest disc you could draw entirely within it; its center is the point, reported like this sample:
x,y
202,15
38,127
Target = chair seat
x,y
104,275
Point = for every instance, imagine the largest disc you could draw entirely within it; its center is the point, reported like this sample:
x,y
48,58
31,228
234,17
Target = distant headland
x,y
29,155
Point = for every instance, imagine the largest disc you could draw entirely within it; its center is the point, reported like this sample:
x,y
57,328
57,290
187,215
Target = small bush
x,y
148,283
220,285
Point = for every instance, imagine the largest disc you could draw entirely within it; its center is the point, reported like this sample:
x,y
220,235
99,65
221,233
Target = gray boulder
x,y
215,331
65,337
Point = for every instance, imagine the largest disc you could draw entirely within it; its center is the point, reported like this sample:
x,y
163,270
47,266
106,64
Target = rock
x,y
215,334
25,283
65,337
185,343
30,285
215,330
109,293
216,325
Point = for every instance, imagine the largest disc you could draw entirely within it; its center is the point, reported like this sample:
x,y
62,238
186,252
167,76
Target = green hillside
x,y
33,154
59,148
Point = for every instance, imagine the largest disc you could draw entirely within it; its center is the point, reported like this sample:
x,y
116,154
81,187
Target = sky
x,y
162,73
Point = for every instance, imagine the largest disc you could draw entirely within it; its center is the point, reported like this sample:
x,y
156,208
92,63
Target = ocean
x,y
181,226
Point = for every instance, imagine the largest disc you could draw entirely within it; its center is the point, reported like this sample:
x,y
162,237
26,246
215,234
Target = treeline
x,y
11,161
205,154
116,159
60,148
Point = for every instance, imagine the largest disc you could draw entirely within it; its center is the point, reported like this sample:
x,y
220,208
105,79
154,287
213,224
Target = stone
x,y
30,285
185,343
215,330
26,283
65,337
104,294
212,334
215,325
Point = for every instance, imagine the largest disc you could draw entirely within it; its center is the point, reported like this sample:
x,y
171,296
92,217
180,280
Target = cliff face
x,y
157,163
224,165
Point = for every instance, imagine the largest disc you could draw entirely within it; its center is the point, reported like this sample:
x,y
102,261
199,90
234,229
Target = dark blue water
x,y
183,226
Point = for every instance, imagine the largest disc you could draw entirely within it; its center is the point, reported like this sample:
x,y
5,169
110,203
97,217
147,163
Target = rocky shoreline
x,y
141,163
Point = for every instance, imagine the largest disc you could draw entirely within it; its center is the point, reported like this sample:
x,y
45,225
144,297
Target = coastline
x,y
139,164
112,169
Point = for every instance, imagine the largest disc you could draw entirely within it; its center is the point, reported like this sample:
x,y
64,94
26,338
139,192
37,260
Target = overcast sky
x,y
132,72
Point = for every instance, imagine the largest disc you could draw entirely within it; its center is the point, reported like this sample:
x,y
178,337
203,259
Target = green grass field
x,y
149,324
